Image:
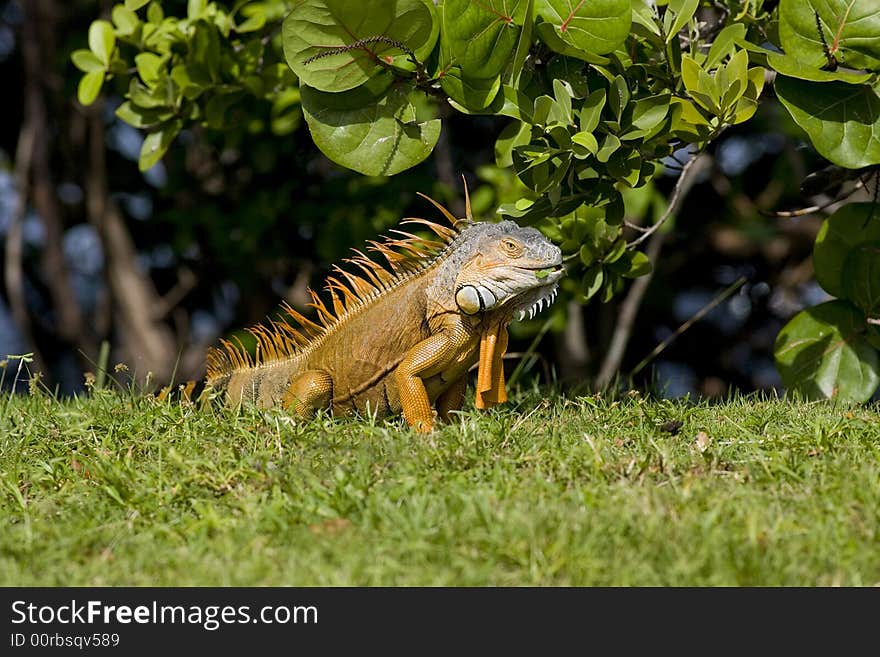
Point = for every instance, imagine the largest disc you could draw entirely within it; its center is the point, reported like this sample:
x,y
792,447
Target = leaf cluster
x,y
192,69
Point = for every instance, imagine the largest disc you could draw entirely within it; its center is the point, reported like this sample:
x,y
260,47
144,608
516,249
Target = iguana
x,y
400,337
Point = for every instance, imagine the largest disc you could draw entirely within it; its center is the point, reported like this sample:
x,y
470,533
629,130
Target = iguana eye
x,y
511,247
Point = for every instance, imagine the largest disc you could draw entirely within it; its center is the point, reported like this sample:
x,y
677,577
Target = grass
x,y
116,489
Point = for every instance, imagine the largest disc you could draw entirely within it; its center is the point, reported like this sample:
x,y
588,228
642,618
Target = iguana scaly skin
x,y
402,337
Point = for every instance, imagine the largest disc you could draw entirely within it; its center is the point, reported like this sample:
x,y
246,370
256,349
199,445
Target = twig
x,y
702,312
814,208
186,282
689,172
635,227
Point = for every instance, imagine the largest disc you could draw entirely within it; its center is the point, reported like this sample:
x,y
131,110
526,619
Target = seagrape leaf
x,y
794,67
549,35
852,225
523,44
597,26
861,277
842,120
482,34
314,27
850,28
824,353
517,133
474,94
373,136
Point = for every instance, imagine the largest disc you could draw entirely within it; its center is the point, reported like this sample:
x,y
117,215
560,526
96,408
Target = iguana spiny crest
x,y
401,337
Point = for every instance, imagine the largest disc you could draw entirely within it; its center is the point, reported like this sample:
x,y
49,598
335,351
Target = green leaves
x,y
849,30
337,45
861,277
102,40
94,62
842,120
837,106
343,52
376,138
594,26
473,94
830,350
852,226
482,34
156,144
479,39
678,13
824,352
89,87
731,93
793,67
184,70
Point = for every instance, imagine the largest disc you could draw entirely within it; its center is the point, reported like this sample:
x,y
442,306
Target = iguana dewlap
x,y
401,338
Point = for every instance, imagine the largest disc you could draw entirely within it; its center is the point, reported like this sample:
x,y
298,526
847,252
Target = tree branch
x,y
37,50
12,271
686,179
186,282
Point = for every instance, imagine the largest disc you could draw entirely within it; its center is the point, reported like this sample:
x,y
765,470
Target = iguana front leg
x,y
429,357
308,392
452,398
490,376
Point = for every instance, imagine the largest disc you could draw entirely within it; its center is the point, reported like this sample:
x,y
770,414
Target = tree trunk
x,y
147,343
38,54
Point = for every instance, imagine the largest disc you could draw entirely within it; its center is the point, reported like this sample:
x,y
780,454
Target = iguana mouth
x,y
539,304
555,268
543,294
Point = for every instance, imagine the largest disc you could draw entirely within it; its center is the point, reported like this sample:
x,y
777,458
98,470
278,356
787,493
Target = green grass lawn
x,y
117,489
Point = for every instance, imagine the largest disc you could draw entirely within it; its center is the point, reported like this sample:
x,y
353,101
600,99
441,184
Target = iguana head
x,y
506,269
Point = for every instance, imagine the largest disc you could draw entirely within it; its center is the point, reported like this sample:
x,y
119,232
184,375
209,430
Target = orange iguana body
x,y
400,338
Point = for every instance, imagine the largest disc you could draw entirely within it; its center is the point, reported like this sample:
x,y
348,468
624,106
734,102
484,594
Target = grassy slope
x,y
114,490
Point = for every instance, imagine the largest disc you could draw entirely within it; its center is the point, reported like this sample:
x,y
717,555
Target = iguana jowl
x,y
402,337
